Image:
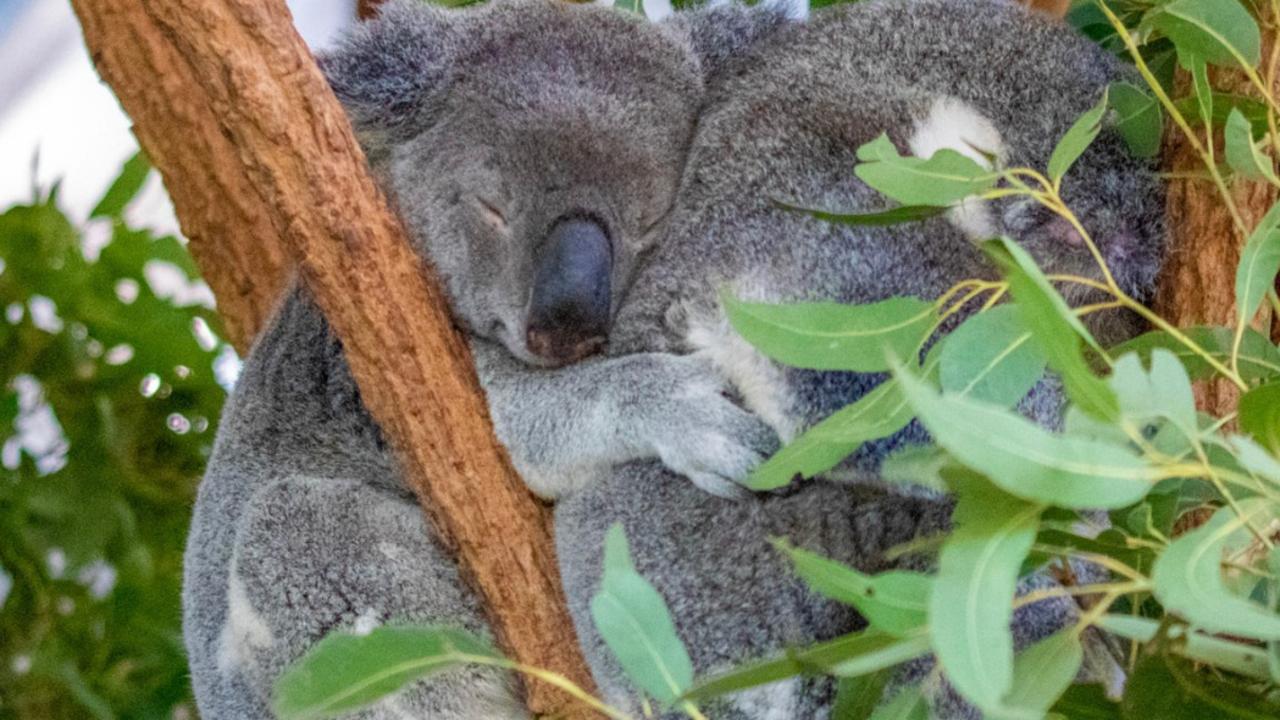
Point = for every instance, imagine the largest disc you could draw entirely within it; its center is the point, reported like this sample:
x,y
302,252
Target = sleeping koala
x,y
533,149
785,125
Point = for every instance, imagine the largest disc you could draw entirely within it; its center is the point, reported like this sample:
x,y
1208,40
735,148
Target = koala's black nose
x,y
569,309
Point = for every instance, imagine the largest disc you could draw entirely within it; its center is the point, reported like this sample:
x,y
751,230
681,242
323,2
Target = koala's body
x,y
533,148
981,77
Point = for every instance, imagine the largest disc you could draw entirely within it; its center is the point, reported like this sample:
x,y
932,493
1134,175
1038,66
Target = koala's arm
x,y
565,427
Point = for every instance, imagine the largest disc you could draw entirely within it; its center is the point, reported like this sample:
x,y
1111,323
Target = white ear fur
x,y
952,124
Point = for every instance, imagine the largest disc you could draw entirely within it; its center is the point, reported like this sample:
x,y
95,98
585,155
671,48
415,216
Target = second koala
x,y
784,124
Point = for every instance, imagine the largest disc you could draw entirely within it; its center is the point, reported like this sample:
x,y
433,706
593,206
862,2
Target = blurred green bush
x,y
108,405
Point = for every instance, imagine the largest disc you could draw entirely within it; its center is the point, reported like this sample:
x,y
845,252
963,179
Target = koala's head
x,y
533,149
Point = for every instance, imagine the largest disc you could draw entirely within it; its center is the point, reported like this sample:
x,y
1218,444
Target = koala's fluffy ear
x,y
384,70
720,33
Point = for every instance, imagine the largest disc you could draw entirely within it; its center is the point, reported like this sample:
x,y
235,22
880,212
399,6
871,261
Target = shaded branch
x,y
253,146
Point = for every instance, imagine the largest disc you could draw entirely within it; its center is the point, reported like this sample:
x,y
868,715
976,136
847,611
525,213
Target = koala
x,y
783,124
533,149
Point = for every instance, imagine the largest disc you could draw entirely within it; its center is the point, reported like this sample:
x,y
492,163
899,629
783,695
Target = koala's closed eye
x,y
490,213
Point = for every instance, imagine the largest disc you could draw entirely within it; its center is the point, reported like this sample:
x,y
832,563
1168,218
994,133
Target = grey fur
x,y
785,125
302,524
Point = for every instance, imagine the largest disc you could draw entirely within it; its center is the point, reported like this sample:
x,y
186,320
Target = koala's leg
x,y
316,555
566,427
732,594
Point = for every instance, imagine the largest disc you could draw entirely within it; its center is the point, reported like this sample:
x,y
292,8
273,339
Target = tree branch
x,y
229,104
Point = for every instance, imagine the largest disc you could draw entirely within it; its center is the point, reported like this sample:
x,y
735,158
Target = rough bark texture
x,y
1198,282
1056,8
231,107
234,231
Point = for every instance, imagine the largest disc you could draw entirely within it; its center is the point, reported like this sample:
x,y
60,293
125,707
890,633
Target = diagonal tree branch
x,y
253,147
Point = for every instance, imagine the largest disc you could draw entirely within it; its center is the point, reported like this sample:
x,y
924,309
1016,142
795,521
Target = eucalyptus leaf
x,y
858,697
633,620
1223,654
908,704
1221,31
1042,672
1242,153
942,180
1260,415
344,672
1259,358
1168,687
1025,459
1087,702
1054,327
852,655
1188,576
991,357
879,413
125,187
1141,119
971,605
831,336
894,602
892,216
1259,263
1078,139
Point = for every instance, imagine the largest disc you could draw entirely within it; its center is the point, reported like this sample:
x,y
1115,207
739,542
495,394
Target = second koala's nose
x,y
569,308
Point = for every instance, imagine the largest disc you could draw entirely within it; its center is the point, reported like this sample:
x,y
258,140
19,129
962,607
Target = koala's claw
x,y
707,437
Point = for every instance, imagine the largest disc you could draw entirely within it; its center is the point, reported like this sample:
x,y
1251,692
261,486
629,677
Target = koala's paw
x,y
703,434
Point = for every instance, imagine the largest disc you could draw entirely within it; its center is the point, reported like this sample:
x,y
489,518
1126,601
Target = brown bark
x,y
366,9
230,105
1197,285
1056,8
228,218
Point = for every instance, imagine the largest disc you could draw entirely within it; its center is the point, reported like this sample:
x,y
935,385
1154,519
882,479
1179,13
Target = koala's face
x,y
539,164
1120,201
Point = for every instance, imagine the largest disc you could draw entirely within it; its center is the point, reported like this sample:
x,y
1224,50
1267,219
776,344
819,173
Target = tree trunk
x,y
1056,8
254,147
1197,285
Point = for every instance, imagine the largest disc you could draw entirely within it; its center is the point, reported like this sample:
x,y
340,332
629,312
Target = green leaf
x,y
1141,120
344,672
1163,392
880,413
634,6
1042,672
921,466
1188,576
1260,415
1170,688
1259,359
991,357
1221,31
1242,153
909,704
972,601
895,602
1254,110
1087,702
1025,459
1055,329
857,697
1223,654
941,180
1259,263
852,655
1077,140
1195,65
831,336
635,623
124,188
892,216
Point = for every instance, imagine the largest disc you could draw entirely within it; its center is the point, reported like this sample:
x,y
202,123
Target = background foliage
x,y
108,402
